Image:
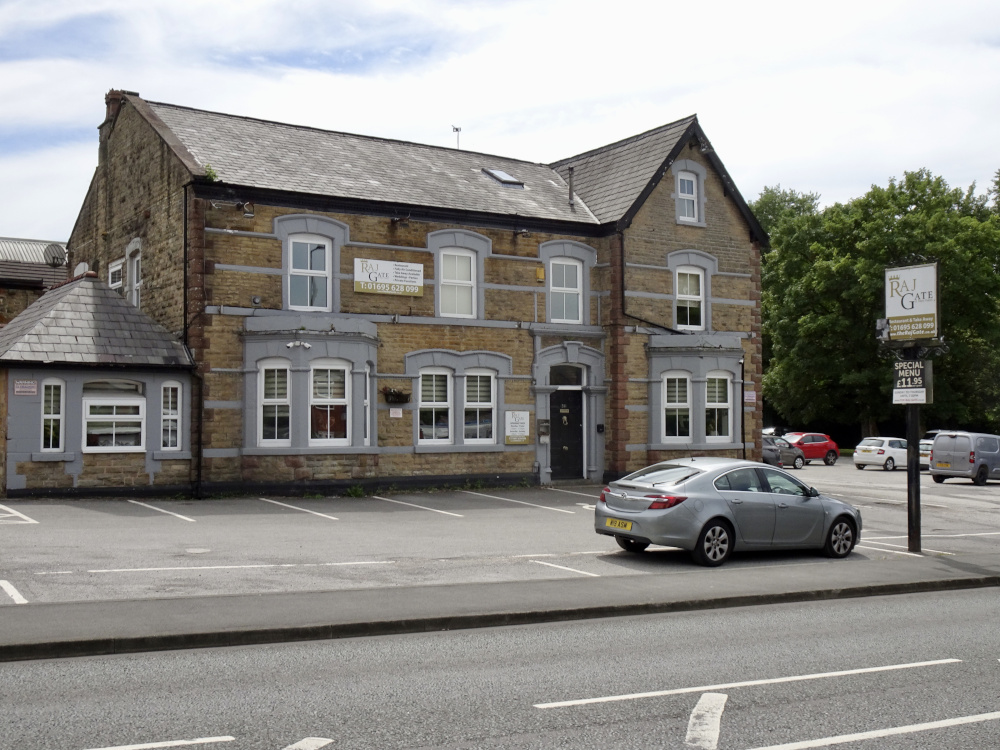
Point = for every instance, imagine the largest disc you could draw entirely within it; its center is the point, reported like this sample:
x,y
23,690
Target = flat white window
x,y
718,411
566,292
309,272
275,403
53,405
435,407
687,197
170,417
480,407
690,299
676,406
116,275
135,277
329,403
114,425
457,285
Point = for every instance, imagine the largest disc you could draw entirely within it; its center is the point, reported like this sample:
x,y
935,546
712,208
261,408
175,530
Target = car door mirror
x,y
813,492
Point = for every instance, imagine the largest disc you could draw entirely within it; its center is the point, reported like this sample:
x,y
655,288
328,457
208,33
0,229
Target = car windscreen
x,y
662,474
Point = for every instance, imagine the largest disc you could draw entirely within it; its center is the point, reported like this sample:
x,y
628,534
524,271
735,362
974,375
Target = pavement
x,y
42,631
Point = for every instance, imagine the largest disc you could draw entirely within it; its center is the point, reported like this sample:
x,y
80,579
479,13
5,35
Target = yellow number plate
x,y
614,523
943,465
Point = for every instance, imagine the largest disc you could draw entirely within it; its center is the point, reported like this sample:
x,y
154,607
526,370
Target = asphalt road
x,y
916,672
94,550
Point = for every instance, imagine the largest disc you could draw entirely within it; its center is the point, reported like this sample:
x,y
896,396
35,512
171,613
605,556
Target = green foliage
x,y
355,490
775,206
823,290
210,173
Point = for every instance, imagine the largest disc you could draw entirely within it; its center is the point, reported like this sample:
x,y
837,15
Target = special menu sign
x,y
388,277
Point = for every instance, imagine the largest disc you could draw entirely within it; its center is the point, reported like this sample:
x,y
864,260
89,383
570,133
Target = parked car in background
x,y
972,455
815,446
713,506
880,451
790,455
769,452
926,443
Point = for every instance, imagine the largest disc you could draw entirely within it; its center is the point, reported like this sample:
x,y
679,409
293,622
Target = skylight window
x,y
504,179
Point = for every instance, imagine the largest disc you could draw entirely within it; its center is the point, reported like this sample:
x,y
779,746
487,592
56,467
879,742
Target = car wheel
x,y
840,539
631,545
938,479
981,476
859,467
715,544
831,458
889,465
799,462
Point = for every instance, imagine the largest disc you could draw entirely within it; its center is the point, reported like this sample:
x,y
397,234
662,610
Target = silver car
x,y
715,506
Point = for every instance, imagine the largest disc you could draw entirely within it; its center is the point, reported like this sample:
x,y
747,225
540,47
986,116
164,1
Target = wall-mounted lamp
x,y
246,208
303,344
400,219
521,233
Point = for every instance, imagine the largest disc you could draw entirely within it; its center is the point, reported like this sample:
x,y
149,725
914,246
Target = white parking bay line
x,y
706,721
310,743
900,546
169,513
13,593
893,551
562,567
747,683
11,513
400,502
169,743
573,492
241,567
877,733
295,507
521,502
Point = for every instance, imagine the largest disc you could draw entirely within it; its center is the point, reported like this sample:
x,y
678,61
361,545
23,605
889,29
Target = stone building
x,y
365,312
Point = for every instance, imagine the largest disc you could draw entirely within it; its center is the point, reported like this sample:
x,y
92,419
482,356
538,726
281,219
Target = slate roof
x,y
86,322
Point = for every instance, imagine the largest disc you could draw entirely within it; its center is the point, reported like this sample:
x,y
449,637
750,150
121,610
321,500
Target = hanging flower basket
x,y
395,396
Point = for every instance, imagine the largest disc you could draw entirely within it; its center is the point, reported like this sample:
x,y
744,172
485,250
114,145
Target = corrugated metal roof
x,y
26,251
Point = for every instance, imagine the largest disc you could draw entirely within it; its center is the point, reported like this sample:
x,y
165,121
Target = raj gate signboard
x,y
911,303
388,277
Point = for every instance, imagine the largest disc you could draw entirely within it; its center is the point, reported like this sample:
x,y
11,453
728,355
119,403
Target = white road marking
x,y
400,502
877,733
887,544
55,573
937,536
706,721
11,513
169,743
13,593
893,551
169,513
571,570
310,743
240,567
747,683
587,507
304,510
573,492
521,502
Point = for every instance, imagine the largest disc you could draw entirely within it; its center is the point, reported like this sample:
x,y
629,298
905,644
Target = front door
x,y
566,419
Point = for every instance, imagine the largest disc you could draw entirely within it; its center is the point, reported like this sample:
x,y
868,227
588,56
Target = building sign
x,y
913,382
25,387
516,428
388,277
911,303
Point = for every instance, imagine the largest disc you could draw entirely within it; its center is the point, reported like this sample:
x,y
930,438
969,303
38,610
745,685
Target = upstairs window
x,y
309,276
687,197
53,404
457,285
565,295
135,277
116,275
435,407
690,298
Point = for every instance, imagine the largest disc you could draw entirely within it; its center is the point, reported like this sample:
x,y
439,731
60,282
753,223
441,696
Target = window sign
x,y
388,277
516,428
911,304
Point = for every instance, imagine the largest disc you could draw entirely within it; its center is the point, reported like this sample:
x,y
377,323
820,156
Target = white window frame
x,y
170,417
320,401
680,297
687,199
566,291
264,401
309,273
711,406
135,277
367,406
116,275
455,284
481,406
447,406
675,405
115,402
56,418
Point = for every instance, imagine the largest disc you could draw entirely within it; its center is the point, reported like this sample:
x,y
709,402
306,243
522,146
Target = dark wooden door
x,y
566,419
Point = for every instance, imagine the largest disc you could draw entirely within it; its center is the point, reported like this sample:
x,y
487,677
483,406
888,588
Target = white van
x,y
973,455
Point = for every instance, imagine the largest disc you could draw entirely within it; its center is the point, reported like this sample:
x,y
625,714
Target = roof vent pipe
x,y
571,186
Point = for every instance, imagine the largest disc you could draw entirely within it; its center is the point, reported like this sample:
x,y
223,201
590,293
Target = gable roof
x,y
86,322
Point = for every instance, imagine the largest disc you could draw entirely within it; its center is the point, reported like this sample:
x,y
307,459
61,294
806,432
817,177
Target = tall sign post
x,y
910,330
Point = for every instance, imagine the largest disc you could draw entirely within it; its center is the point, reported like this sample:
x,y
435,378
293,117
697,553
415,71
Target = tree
x,y
775,206
823,290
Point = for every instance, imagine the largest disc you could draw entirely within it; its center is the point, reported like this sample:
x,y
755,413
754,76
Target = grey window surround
x,y
338,233
709,265
462,239
689,165
586,255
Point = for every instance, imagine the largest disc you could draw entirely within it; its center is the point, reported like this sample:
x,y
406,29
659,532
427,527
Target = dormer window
x,y
504,179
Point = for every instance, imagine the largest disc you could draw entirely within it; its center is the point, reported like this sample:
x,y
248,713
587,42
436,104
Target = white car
x,y
886,452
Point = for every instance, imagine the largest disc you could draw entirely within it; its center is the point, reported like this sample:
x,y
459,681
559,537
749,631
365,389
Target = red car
x,y
815,446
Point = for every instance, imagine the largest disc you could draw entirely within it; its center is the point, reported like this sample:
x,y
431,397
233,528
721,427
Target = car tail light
x,y
930,455
604,499
972,457
662,502
881,451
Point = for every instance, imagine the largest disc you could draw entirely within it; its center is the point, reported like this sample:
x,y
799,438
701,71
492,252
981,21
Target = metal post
x,y
913,476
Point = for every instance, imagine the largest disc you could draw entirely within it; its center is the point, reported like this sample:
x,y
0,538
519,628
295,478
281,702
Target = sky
x,y
827,98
